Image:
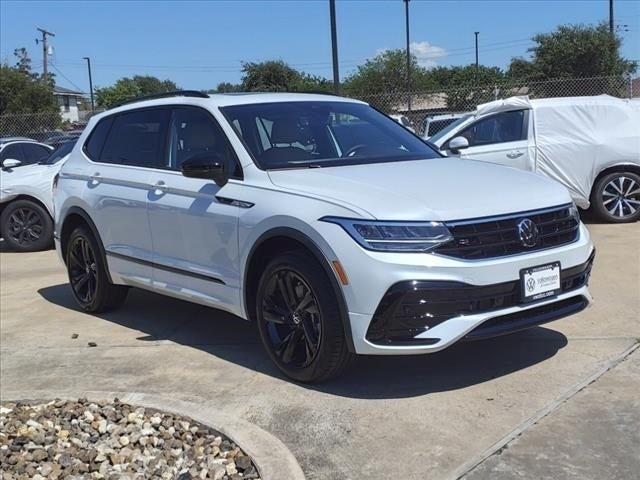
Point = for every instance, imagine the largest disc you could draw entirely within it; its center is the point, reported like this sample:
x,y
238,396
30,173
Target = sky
x,y
199,44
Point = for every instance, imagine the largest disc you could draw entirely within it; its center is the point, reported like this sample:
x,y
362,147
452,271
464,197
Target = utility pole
x,y
477,64
45,51
611,27
90,81
406,15
334,47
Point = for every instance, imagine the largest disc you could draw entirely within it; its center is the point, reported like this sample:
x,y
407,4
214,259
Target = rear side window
x,y
13,151
137,138
94,145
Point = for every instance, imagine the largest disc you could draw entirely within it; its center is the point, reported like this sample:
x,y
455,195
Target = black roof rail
x,y
174,93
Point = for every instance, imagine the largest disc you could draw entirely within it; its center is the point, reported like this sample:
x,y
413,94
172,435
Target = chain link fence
x,y
417,106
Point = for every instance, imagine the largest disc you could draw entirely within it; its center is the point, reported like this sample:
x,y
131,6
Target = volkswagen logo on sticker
x,y
531,285
528,233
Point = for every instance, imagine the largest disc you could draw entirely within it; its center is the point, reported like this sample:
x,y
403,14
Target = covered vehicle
x,y
589,144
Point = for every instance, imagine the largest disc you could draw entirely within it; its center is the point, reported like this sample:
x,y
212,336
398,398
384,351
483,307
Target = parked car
x,y
589,144
20,151
322,220
432,124
404,121
26,203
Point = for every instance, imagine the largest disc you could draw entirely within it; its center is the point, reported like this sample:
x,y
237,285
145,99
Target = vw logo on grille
x,y
531,285
527,233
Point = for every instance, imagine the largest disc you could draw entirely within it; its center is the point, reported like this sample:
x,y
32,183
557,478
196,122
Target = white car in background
x,y
324,221
589,144
404,121
26,202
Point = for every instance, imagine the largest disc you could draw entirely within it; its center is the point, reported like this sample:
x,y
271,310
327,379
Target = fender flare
x,y
74,210
322,260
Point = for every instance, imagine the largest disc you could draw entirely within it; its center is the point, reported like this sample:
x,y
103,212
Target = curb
x,y
271,457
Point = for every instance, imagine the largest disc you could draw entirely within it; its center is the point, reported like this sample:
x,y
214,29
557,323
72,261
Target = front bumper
x,y
373,274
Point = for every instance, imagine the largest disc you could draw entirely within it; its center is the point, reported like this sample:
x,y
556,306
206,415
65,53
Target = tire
x,y
88,277
306,342
26,226
616,197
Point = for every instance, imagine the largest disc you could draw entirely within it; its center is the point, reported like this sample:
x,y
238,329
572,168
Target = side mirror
x,y
10,163
208,166
458,143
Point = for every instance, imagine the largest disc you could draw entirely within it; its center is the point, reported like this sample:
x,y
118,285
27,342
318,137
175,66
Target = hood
x,y
434,189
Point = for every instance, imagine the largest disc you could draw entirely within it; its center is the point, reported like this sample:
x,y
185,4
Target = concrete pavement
x,y
400,417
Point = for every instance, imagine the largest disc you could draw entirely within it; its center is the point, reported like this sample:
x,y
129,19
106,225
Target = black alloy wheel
x,y
83,273
88,275
26,226
299,318
290,308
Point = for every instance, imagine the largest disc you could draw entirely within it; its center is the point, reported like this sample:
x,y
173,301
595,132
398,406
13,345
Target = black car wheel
x,y
299,320
616,197
26,226
88,277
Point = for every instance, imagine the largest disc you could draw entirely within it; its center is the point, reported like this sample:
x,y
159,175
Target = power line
x,y
66,78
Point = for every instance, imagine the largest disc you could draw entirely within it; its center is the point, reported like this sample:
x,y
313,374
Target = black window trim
x,y
523,136
165,144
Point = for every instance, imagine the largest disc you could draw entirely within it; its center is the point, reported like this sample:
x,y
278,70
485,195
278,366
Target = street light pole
x,y
477,64
406,15
611,27
90,81
334,47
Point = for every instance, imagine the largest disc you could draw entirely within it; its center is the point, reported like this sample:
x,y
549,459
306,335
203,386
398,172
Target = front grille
x,y
498,237
410,308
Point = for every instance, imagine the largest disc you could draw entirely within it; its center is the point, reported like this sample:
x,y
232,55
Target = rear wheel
x,y
88,274
616,197
26,226
299,320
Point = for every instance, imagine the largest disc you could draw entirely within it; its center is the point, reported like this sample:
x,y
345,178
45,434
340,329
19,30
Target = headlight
x,y
394,236
574,213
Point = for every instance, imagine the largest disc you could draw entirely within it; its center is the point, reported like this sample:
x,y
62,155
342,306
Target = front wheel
x,y
616,197
299,320
88,274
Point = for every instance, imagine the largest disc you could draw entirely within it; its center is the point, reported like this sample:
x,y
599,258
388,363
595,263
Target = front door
x,y
194,231
500,138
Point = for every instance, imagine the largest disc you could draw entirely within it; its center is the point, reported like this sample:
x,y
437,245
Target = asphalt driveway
x,y
558,401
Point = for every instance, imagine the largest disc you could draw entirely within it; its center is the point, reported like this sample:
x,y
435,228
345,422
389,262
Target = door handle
x,y
160,188
95,178
515,154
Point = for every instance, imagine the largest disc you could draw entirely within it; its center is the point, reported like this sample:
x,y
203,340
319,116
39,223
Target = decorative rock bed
x,y
112,440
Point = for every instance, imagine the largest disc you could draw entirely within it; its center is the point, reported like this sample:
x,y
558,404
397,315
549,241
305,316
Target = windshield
x,y
322,134
59,153
449,128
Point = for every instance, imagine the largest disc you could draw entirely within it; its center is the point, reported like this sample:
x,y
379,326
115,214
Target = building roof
x,y
58,90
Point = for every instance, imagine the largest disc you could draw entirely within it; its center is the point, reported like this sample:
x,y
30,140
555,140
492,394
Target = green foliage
x,y
467,85
127,88
574,51
226,87
22,91
382,80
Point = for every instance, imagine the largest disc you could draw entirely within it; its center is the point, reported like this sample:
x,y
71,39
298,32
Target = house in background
x,y
68,101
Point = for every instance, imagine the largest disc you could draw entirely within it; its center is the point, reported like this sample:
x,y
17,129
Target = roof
x,y
523,102
228,99
57,90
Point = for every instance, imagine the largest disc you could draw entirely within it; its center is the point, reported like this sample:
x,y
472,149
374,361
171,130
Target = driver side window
x,y
499,128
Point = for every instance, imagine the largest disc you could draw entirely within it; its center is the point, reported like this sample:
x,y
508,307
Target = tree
x,y
226,87
467,86
270,76
127,88
575,51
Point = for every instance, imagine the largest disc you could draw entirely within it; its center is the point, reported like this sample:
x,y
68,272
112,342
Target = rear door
x,y
117,187
193,226
500,138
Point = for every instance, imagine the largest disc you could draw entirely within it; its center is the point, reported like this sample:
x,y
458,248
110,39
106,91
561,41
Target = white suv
x,y
327,223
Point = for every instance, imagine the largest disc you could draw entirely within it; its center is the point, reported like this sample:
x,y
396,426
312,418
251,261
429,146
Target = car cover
x,y
576,138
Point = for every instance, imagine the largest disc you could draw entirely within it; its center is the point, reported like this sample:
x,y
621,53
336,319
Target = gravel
x,y
112,440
